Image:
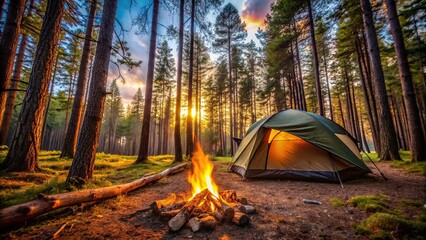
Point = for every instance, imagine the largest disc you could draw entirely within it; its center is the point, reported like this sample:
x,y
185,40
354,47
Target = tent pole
x,y
335,170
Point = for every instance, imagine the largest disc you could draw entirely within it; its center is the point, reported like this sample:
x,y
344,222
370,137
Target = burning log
x,y
218,216
170,207
246,209
178,221
171,198
205,223
226,211
169,214
240,219
229,195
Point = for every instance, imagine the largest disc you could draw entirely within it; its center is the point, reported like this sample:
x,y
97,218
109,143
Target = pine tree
x,y
229,31
83,164
22,155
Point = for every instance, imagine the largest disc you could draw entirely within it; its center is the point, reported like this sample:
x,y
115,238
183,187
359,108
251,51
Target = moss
x,y
414,167
337,202
370,203
389,226
222,159
411,202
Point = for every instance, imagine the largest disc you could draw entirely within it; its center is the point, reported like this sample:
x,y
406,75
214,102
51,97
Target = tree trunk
x,y
22,155
414,125
83,164
316,62
8,45
10,103
328,84
70,141
189,124
301,85
389,147
143,149
178,141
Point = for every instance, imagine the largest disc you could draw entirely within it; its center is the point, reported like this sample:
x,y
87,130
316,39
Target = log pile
x,y
204,211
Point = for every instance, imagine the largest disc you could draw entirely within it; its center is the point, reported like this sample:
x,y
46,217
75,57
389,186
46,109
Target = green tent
x,y
294,144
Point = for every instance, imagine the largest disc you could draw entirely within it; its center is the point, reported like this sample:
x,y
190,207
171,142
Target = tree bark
x,y
389,147
46,203
414,125
178,141
316,62
8,44
10,103
143,149
70,141
22,155
83,164
189,122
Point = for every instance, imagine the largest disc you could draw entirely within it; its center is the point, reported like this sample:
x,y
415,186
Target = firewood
x,y
218,216
242,200
178,221
206,223
226,211
171,198
229,195
240,219
246,209
25,211
175,206
169,214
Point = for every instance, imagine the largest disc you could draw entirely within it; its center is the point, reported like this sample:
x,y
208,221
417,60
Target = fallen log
x,y
46,203
178,221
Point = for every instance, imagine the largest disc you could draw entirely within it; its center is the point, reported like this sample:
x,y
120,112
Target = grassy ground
x,y
110,170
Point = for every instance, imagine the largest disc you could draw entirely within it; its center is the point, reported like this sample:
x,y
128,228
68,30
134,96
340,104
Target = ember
x,y
206,206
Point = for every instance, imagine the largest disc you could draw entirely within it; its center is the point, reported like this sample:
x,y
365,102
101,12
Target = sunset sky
x,y
251,11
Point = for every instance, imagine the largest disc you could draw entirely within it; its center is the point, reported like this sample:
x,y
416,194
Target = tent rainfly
x,y
294,144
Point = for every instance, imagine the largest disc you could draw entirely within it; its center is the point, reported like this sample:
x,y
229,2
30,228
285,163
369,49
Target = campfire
x,y
206,206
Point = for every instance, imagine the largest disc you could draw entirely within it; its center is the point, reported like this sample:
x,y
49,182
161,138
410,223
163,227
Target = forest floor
x,y
369,207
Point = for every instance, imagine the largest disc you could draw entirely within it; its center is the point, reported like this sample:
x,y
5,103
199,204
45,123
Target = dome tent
x,y
294,144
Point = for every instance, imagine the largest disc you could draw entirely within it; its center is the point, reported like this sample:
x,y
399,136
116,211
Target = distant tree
x,y
83,164
136,111
22,155
229,31
143,150
164,72
414,125
388,148
70,141
8,44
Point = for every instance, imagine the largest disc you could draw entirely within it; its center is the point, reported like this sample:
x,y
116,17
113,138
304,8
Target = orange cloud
x,y
254,12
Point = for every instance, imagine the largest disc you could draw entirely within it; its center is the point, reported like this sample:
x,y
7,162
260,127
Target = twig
x,y
56,234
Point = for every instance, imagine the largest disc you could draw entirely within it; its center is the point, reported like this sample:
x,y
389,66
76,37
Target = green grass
x,y
337,202
389,226
109,170
370,203
405,163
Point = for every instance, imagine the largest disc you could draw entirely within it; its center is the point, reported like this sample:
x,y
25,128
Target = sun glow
x,y
201,177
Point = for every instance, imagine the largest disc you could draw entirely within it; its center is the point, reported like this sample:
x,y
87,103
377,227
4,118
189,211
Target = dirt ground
x,y
281,213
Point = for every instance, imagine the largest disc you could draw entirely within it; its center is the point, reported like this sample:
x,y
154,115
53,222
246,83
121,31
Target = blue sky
x,y
252,12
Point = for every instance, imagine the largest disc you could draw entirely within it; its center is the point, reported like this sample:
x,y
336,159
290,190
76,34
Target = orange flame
x,y
201,177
